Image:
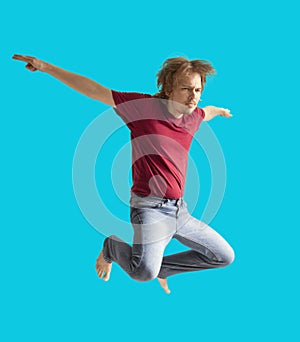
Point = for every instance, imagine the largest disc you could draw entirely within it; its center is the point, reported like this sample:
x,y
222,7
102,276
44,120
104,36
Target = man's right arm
x,y
79,83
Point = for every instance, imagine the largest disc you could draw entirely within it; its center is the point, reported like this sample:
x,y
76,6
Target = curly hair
x,y
174,68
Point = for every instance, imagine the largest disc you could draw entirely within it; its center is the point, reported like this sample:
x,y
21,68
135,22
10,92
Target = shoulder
x,y
121,97
193,121
200,112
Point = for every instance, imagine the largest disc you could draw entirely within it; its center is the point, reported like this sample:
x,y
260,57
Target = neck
x,y
173,110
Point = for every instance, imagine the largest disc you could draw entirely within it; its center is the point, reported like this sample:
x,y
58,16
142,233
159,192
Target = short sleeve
x,y
201,112
199,115
128,104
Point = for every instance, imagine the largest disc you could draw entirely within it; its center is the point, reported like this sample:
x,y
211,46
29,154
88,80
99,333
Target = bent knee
x,y
228,258
144,274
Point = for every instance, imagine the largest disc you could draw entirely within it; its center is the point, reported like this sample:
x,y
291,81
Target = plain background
x,y
49,287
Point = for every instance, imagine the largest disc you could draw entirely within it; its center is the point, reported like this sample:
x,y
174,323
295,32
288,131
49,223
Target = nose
x,y
193,94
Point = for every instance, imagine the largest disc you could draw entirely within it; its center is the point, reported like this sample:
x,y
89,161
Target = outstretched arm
x,y
212,111
80,83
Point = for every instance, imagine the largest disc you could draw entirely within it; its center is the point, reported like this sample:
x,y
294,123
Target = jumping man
x,y
162,128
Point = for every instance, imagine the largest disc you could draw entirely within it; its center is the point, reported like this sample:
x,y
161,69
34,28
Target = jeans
x,y
155,222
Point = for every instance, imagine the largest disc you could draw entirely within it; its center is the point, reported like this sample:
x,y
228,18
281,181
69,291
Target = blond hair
x,y
174,68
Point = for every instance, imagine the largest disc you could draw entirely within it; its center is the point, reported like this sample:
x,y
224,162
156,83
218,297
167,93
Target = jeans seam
x,y
106,258
142,254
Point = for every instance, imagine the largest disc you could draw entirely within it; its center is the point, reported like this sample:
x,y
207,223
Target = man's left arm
x,y
212,111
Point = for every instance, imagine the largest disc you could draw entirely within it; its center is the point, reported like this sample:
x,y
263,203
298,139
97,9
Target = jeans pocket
x,y
134,215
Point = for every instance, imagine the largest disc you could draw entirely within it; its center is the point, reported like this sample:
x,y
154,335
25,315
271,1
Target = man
x,y
162,127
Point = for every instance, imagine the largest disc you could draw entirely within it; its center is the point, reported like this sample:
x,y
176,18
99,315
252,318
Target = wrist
x,y
47,67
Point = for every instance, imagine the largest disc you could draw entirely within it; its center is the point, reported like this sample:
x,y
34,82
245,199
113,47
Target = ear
x,y
168,93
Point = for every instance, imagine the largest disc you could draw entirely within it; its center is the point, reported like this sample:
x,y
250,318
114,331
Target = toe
x,y
167,291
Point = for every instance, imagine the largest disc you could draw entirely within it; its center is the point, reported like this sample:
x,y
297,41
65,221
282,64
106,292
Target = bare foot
x,y
164,285
103,268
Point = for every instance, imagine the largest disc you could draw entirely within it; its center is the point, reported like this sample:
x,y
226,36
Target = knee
x,y
229,257
144,273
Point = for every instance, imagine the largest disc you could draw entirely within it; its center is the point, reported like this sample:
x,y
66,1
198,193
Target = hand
x,y
212,111
225,112
33,63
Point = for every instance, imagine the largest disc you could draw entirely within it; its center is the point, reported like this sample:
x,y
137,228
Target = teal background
x,y
49,288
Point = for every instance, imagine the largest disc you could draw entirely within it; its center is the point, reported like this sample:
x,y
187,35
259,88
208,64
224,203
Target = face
x,y
185,96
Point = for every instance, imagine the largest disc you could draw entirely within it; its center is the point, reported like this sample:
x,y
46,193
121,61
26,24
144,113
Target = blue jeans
x,y
155,222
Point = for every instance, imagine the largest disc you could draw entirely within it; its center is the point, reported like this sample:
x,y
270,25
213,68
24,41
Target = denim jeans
x,y
155,222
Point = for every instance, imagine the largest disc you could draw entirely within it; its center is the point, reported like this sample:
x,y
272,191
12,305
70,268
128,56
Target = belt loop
x,y
179,201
